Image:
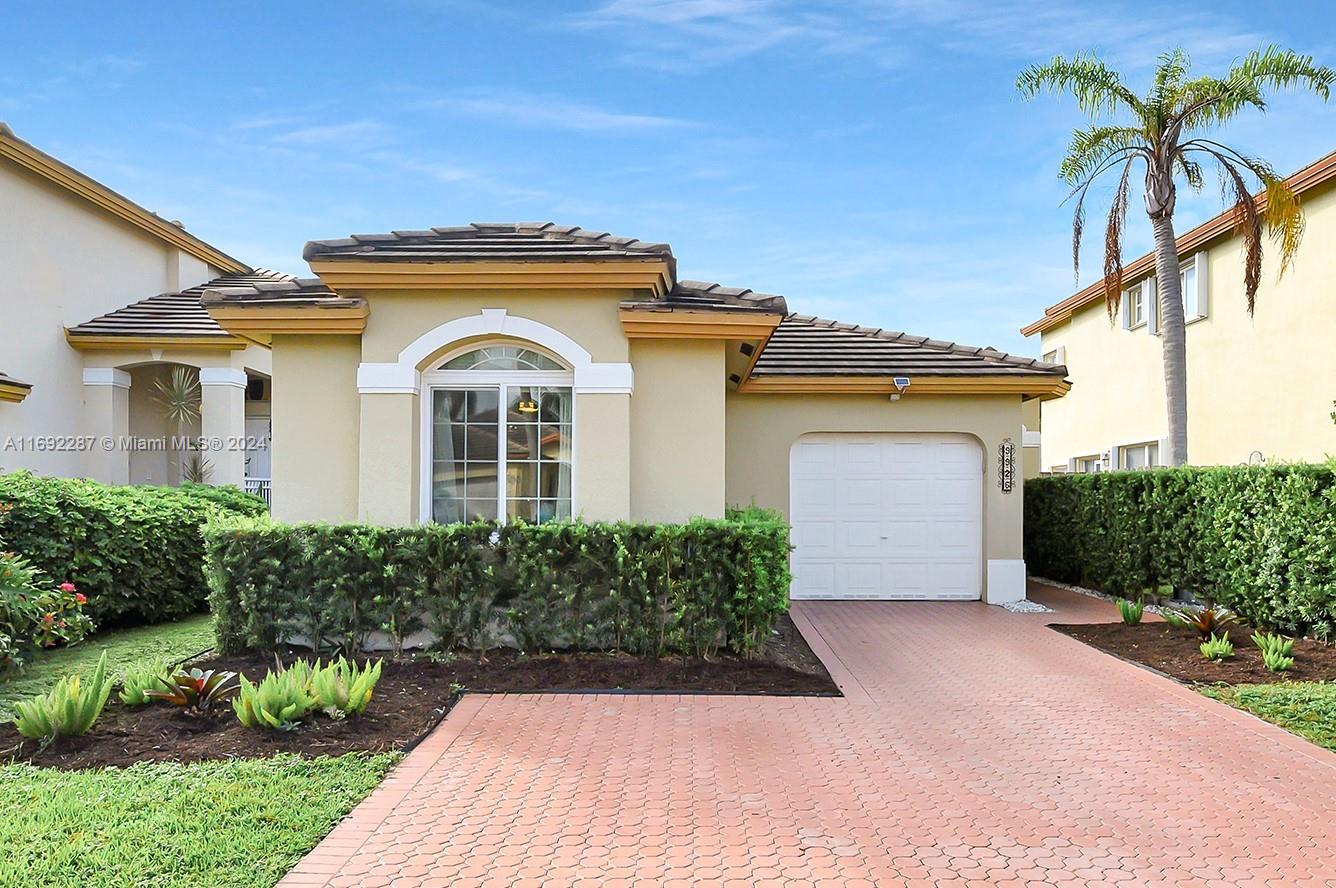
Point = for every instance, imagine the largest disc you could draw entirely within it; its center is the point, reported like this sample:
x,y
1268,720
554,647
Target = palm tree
x,y
1167,130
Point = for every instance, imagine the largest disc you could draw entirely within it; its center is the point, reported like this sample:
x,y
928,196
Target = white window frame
x,y
1055,355
1195,300
1144,446
458,380
1096,458
1135,297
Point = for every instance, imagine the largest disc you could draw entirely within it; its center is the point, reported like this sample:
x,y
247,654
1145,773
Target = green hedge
x,y
1258,540
641,588
136,552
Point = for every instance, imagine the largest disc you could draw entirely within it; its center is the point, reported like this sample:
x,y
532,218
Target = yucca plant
x,y
141,678
69,710
1130,611
279,701
194,690
342,688
1277,651
1217,648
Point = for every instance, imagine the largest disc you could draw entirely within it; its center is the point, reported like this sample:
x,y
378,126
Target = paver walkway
x,y
974,747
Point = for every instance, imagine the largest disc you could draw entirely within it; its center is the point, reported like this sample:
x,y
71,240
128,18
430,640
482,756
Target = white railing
x,y
261,487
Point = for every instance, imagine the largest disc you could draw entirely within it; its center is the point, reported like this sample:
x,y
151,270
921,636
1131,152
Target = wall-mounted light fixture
x,y
901,384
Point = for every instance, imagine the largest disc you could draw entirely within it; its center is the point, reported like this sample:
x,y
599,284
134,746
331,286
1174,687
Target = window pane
x,y
481,442
447,510
556,405
1152,455
480,480
554,480
447,479
447,406
447,441
521,442
1134,457
522,479
522,404
481,510
556,444
554,510
526,509
482,405
502,357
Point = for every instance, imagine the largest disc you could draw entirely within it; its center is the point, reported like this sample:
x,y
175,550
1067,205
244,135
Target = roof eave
x,y
67,177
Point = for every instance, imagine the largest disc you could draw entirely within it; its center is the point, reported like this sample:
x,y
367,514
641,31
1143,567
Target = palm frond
x,y
179,396
1113,245
1247,222
1098,89
1090,148
1170,74
1285,219
1191,171
1278,68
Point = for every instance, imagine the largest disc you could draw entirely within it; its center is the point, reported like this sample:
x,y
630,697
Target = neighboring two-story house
x,y
1260,388
99,302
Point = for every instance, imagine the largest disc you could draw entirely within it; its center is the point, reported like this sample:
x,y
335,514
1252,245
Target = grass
x,y
208,825
124,647
1305,708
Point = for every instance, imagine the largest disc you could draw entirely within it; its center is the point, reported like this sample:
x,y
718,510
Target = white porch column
x,y
223,423
107,406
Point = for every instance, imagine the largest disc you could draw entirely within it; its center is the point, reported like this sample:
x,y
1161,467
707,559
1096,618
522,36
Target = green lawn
x,y
175,641
210,825
1306,708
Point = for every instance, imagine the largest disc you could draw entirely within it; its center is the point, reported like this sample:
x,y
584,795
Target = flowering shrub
x,y
35,616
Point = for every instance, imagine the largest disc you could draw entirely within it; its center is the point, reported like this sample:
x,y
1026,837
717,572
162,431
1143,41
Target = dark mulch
x,y
1175,652
412,697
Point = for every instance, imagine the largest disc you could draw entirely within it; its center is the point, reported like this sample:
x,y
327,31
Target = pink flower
x,y
48,619
67,586
80,597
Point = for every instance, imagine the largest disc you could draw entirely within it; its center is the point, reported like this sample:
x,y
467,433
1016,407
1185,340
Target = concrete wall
x,y
1263,383
64,262
316,427
677,429
761,430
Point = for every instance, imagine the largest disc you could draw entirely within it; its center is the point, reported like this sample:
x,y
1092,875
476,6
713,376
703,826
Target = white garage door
x,y
886,516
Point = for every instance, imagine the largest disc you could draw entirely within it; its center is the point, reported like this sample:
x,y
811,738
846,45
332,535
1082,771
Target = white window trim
x,y
456,380
1162,448
1140,291
1200,301
402,376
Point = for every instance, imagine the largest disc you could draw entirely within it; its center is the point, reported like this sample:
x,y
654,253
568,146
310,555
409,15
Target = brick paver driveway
x,y
974,747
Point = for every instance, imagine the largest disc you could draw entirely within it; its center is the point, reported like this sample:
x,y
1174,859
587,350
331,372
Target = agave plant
x,y
195,690
343,688
1130,611
141,678
279,701
69,710
1217,648
1277,651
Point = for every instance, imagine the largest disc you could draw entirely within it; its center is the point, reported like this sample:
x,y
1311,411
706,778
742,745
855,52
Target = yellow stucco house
x,y
1260,388
536,371
100,300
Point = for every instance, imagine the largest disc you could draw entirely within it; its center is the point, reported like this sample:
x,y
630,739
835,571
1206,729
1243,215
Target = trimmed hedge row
x,y
1258,540
646,589
136,552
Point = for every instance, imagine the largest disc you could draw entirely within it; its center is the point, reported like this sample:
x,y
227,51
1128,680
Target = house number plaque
x,y
1006,465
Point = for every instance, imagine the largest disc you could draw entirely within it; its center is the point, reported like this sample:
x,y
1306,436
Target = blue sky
x,y
868,159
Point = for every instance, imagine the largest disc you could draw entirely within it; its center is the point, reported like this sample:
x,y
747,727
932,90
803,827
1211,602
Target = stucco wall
x,y
677,429
65,262
1264,383
761,430
316,422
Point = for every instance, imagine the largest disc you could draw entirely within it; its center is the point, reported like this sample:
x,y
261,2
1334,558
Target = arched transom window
x,y
499,436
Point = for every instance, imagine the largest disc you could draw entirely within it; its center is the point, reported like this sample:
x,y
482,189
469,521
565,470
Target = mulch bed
x,y
412,697
1175,652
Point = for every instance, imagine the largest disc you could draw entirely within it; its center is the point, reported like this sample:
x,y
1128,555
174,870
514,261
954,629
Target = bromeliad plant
x,y
68,710
1217,648
280,701
1277,651
1130,611
1206,622
194,690
342,688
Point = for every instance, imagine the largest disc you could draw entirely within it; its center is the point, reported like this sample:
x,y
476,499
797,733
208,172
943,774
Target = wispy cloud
x,y
688,34
552,112
358,132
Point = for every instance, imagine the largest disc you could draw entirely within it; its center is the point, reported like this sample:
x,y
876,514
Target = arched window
x,y
499,433
502,357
